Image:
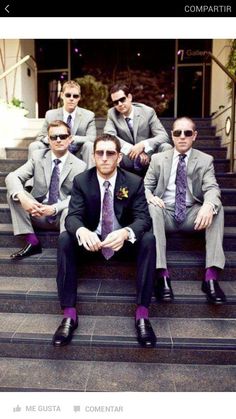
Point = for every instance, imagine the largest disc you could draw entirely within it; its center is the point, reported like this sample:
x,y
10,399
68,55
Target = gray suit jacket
x,y
200,176
40,168
146,126
84,128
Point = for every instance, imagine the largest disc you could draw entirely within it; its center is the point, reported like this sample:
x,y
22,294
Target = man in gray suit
x,y
183,195
53,171
139,130
81,122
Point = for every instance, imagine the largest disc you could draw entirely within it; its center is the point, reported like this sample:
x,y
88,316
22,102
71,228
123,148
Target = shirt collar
x,y
131,115
112,180
176,153
62,158
66,114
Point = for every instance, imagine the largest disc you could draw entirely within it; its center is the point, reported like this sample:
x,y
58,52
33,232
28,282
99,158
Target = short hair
x,y
120,86
188,119
59,123
71,84
107,137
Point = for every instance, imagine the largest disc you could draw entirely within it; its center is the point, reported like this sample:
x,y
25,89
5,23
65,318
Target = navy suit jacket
x,y
85,203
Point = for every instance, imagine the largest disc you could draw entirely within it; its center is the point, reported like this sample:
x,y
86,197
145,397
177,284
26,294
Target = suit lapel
x,y
119,203
167,163
95,195
77,121
47,167
192,161
66,169
125,127
136,121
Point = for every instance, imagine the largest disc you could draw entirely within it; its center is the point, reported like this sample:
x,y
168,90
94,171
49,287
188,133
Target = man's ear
x,y
119,158
130,97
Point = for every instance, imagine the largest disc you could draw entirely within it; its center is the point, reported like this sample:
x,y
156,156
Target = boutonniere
x,y
122,193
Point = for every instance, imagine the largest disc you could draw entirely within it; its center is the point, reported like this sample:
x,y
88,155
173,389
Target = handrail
x,y
233,78
18,64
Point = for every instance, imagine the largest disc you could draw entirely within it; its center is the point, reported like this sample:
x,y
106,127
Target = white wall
x,y
220,94
18,83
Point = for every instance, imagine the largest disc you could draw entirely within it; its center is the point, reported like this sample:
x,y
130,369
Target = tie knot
x,y
69,118
182,156
106,184
57,161
128,119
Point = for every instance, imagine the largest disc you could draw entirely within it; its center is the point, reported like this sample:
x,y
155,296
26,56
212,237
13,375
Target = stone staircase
x,y
196,342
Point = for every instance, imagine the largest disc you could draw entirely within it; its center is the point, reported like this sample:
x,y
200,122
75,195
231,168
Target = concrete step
x,y
113,338
226,180
183,265
22,152
111,297
176,241
230,215
228,196
95,376
8,165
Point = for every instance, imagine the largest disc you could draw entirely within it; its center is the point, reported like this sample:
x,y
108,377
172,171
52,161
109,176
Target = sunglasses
x,y
121,100
61,136
108,153
70,95
187,132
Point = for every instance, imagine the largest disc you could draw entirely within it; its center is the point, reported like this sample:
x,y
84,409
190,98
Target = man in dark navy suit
x,y
106,195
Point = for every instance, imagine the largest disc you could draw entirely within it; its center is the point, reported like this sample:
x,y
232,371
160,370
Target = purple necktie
x,y
107,218
137,161
54,188
72,147
181,187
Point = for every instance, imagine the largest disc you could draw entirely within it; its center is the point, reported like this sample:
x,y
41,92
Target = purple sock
x,y
163,272
31,238
211,273
70,312
141,313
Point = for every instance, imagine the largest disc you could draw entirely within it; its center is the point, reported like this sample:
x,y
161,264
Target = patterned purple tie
x,y
72,147
54,188
181,187
137,162
107,218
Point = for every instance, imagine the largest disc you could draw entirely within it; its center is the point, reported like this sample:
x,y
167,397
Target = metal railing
x,y
233,78
18,64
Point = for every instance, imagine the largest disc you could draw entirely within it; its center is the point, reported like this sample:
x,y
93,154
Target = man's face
x,y
106,158
183,135
121,102
59,145
71,98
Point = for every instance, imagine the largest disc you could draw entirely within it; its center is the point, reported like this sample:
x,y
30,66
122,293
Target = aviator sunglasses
x,y
75,96
108,153
187,132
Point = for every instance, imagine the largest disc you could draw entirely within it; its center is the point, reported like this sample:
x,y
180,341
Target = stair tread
x,y
87,376
119,330
102,289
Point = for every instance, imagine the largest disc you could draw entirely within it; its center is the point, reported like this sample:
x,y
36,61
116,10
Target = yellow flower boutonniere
x,y
122,193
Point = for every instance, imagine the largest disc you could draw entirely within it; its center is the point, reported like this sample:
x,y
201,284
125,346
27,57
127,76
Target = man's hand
x,y
89,239
32,207
155,200
204,217
115,239
136,150
144,159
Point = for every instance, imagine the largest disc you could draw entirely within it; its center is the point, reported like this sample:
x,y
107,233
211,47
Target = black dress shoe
x,y
26,251
213,291
163,290
64,332
145,333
